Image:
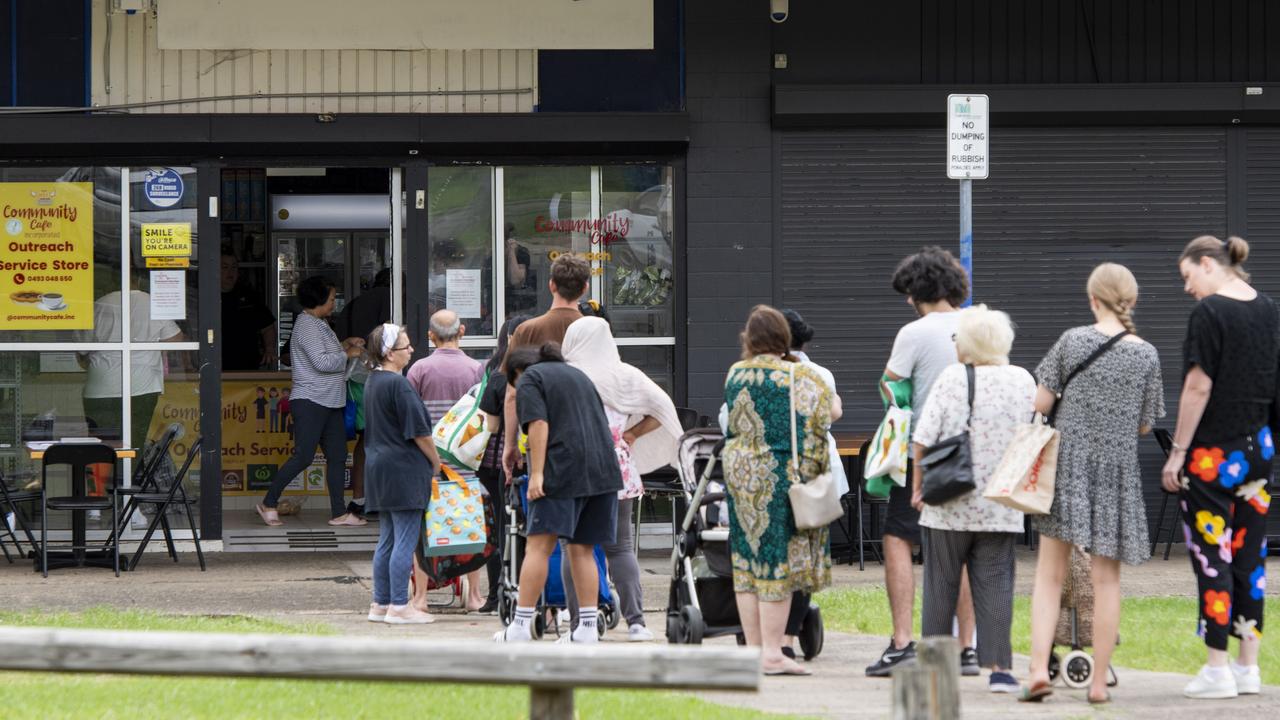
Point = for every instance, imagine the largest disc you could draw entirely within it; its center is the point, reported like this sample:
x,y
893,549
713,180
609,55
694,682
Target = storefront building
x,y
704,162
427,171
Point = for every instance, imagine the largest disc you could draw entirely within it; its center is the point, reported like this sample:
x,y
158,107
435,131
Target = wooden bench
x,y
551,671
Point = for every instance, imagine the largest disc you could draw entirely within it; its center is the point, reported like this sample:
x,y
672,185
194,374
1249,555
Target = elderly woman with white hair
x,y
970,530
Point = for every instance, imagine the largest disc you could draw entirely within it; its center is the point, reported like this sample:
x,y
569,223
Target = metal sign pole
x,y
966,234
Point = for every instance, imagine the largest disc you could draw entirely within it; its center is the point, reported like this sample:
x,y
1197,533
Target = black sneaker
x,y
891,658
490,607
969,663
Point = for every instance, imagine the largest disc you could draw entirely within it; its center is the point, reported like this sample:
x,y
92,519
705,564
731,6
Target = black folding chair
x,y
145,476
688,417
175,495
79,457
1165,441
9,501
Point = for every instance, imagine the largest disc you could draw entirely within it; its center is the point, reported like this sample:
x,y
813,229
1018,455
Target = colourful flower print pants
x,y
1224,504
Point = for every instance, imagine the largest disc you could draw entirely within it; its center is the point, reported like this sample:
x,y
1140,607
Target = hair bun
x,y
1237,249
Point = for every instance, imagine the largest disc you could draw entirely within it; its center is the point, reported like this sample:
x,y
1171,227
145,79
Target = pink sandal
x,y
269,515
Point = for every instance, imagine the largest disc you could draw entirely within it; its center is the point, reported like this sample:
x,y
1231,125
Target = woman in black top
x,y
1222,455
400,463
490,472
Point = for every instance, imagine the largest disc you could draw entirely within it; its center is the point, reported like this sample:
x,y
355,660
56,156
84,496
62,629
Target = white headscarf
x,y
390,334
589,347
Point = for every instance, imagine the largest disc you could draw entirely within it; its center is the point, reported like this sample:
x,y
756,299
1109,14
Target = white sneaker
x,y
95,515
639,633
1212,684
1248,679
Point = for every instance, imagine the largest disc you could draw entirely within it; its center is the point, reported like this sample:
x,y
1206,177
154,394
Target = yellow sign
x,y
257,438
168,262
166,240
46,271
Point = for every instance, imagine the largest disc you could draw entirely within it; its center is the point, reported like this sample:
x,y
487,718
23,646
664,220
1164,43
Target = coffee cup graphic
x,y
52,301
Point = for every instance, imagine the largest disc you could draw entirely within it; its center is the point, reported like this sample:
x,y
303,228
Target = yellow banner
x,y
46,272
256,438
166,240
255,433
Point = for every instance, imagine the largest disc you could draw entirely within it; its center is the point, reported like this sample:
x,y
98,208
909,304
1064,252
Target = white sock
x,y
586,630
523,618
1217,672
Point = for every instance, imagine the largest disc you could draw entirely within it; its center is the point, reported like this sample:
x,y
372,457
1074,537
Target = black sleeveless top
x,y
1237,344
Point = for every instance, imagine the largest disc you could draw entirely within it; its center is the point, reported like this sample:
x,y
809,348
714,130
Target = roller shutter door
x,y
1059,201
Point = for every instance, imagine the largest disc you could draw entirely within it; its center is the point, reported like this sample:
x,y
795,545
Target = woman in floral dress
x,y
771,558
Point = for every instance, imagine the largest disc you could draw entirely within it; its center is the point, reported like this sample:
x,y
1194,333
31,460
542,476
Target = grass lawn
x,y
1156,633
48,695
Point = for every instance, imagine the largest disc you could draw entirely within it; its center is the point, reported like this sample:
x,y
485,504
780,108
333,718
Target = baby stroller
x,y
1075,627
553,595
701,601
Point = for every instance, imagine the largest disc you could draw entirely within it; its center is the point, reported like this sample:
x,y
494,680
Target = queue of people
x,y
594,424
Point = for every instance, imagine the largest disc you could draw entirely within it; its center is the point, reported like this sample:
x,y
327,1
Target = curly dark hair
x,y
931,275
314,291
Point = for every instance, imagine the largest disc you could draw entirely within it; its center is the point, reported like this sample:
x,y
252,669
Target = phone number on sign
x,y
49,278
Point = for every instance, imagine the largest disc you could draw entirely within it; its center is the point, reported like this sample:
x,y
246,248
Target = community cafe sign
x,y
46,270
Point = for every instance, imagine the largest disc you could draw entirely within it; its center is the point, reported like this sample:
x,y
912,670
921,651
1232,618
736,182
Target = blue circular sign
x,y
163,187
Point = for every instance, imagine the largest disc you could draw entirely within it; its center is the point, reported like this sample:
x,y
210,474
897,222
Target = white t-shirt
x,y
922,350
103,378
1003,399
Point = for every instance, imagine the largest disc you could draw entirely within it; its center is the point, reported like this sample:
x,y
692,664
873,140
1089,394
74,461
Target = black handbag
x,y
948,464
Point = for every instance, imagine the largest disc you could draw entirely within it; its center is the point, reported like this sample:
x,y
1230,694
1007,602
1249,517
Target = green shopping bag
x,y
887,455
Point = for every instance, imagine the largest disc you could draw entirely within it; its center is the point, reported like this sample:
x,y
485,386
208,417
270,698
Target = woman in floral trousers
x,y
1222,456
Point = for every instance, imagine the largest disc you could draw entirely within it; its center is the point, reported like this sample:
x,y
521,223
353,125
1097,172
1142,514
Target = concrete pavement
x,y
334,589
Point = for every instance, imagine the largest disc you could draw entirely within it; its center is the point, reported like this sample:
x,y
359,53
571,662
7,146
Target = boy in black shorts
x,y
573,481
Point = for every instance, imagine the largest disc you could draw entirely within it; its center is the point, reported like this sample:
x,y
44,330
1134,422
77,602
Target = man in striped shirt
x,y
441,379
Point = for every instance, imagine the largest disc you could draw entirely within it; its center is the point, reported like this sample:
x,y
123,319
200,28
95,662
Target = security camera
x,y
779,10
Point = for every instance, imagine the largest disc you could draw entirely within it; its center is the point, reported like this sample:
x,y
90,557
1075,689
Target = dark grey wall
x,y
730,184
1030,41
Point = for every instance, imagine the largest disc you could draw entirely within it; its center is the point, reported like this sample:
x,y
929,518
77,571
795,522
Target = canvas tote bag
x,y
461,436
1026,477
814,504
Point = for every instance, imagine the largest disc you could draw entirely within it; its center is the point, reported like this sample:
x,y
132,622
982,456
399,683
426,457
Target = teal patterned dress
x,y
771,558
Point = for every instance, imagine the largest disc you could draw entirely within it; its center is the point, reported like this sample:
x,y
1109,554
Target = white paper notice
x,y
462,292
168,294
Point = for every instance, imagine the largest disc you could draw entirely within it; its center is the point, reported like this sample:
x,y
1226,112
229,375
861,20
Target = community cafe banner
x,y
46,270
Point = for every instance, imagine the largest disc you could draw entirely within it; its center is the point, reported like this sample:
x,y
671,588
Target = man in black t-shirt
x,y
248,328
573,482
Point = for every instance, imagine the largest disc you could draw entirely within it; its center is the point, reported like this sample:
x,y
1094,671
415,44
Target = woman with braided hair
x,y
1115,395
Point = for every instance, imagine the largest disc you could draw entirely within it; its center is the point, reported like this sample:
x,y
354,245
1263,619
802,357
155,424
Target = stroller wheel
x,y
673,628
539,623
1055,667
691,626
1077,668
610,617
811,633
742,639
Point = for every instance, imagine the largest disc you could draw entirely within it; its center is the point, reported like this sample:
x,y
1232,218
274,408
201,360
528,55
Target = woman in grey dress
x,y
1098,500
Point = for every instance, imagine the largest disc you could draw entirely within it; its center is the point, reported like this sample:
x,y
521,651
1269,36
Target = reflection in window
x,y
548,212
460,223
658,362
635,205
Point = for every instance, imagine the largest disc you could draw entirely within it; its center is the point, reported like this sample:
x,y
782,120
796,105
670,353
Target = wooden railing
x,y
551,672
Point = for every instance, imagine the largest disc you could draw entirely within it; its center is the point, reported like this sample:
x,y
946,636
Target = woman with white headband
x,y
400,462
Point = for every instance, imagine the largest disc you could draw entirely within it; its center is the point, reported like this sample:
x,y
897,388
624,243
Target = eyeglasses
x,y
402,347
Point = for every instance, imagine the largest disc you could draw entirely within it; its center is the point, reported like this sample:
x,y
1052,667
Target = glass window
x,y
61,241
163,255
636,250
657,361
46,395
460,227
547,212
